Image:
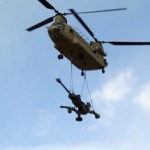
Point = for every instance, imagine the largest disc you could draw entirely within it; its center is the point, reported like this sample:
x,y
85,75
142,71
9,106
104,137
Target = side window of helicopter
x,y
60,26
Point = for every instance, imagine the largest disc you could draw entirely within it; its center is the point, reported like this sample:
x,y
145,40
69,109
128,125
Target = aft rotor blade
x,y
41,24
48,5
82,23
98,11
122,43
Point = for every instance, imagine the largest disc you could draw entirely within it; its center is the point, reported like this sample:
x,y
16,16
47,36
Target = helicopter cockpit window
x,y
58,25
55,24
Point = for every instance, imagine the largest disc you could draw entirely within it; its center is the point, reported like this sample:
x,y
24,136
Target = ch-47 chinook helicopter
x,y
84,55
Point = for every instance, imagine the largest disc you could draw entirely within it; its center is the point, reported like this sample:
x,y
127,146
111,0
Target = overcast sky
x,y
30,117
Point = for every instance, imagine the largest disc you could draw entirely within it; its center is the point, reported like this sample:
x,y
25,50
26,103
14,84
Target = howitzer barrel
x,y
59,81
76,100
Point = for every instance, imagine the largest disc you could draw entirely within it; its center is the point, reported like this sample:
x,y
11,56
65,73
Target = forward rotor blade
x,y
41,24
105,10
126,43
48,5
82,23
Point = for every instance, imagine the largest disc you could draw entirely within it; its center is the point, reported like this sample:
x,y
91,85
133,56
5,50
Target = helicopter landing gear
x,y
103,70
82,73
79,118
60,56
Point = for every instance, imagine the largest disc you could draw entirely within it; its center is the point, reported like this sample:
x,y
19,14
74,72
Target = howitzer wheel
x,y
97,116
79,119
69,110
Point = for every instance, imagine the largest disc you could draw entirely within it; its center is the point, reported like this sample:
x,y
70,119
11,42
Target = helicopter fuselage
x,y
84,55
73,46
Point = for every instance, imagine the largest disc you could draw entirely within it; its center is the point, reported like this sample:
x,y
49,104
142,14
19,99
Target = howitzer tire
x,y
79,119
97,116
69,110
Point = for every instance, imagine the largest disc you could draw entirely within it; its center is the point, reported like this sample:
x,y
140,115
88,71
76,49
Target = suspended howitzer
x,y
80,108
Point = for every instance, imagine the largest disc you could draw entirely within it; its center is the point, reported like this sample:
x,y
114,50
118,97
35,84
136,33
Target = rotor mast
x,y
47,5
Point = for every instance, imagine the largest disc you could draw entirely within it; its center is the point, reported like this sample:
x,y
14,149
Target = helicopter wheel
x,y
79,119
82,73
60,56
103,70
